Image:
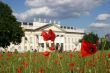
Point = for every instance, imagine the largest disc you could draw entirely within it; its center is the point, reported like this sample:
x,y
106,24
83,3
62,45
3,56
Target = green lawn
x,y
66,62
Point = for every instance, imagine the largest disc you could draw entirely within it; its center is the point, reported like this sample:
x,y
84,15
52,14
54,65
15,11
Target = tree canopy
x,y
10,29
90,37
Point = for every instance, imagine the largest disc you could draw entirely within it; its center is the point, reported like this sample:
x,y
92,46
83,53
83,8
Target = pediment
x,y
51,26
54,28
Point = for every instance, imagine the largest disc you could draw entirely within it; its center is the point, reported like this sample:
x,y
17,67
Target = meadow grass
x,y
65,62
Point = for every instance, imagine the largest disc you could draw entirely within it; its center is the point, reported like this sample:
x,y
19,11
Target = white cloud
x,y
33,11
99,25
57,8
102,17
100,28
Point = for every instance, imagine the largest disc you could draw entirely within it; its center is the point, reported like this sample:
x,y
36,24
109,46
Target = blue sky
x,y
93,15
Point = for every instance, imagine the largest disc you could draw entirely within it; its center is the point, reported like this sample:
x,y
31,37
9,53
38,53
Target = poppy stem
x,y
60,63
48,60
84,65
30,62
104,44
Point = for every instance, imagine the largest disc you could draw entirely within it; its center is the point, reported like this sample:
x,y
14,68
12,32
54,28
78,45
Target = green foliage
x,y
91,37
55,63
105,44
10,28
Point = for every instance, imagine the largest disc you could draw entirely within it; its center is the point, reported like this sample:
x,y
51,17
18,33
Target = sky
x,y
91,15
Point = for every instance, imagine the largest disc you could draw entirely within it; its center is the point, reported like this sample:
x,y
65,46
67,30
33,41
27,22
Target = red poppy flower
x,y
52,48
51,35
71,55
71,64
45,36
46,53
20,69
87,48
109,55
60,57
25,64
0,56
9,54
71,69
56,61
41,70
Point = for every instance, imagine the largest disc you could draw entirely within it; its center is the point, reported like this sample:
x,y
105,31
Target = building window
x,y
47,45
71,27
52,44
37,36
61,35
42,45
25,39
24,23
31,24
65,27
57,46
61,26
68,27
57,35
62,46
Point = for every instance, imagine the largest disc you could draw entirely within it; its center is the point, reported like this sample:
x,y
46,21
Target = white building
x,y
66,37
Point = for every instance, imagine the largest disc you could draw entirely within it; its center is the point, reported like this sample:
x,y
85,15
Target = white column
x,y
34,46
23,44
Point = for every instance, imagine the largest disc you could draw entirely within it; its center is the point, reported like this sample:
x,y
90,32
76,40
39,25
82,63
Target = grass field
x,y
66,62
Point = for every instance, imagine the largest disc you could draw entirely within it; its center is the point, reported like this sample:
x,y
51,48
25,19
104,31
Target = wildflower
x,y
109,55
9,54
46,53
103,55
56,61
79,69
45,36
87,48
91,63
71,64
8,58
20,69
60,57
25,64
71,69
71,55
98,56
0,56
51,35
52,48
41,70
48,36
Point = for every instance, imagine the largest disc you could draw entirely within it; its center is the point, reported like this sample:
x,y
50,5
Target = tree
x,y
105,44
10,29
90,37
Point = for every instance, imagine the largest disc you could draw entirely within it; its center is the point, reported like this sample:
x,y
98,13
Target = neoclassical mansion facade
x,y
66,37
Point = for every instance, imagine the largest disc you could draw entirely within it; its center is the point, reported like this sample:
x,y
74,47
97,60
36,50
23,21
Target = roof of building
x,y
40,26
